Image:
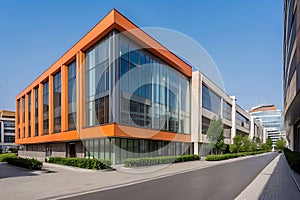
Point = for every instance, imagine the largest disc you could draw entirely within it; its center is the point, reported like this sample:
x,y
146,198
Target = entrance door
x,y
72,149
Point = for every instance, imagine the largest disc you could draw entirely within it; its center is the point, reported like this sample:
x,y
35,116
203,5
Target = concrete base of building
x,y
62,149
114,149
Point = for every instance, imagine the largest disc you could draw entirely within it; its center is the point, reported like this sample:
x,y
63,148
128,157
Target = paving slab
x,y
275,182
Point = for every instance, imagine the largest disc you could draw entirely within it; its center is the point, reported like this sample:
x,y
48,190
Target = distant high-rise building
x,y
291,79
271,118
7,129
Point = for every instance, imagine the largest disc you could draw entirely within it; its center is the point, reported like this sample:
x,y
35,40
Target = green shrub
x,y
293,158
25,163
136,162
232,155
4,157
85,163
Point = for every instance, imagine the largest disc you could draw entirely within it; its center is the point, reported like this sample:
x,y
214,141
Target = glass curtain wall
x,y
242,121
72,96
97,84
153,94
227,109
119,149
57,102
23,109
46,108
210,100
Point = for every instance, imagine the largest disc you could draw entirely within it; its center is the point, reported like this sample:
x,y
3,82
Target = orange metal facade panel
x,y
64,97
56,137
135,132
32,117
109,130
98,131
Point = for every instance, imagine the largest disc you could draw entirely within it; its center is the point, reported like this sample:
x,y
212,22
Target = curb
x,y
76,168
68,167
294,178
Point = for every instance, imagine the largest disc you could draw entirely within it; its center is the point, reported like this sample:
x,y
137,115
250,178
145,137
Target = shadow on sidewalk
x,y
280,184
9,171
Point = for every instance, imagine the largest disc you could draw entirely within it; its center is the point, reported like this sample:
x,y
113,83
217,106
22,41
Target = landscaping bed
x,y
293,158
136,162
4,157
232,155
25,163
85,163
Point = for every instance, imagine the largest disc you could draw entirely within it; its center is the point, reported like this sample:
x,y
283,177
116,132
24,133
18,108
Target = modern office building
x,y
272,119
212,102
7,129
291,79
116,96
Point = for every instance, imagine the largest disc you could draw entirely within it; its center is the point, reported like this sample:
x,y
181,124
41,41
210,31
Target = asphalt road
x,y
218,182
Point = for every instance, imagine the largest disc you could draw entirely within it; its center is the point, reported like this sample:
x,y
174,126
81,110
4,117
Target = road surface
x,y
224,181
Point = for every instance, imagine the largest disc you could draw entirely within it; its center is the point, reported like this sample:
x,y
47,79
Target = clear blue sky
x,y
244,38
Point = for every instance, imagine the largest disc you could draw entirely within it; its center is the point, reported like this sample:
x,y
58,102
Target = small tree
x,y
232,148
214,134
238,142
264,146
220,145
246,144
253,146
269,142
280,144
257,140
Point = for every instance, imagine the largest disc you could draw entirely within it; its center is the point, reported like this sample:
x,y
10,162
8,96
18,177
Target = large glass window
x,y
205,124
9,138
23,110
226,110
242,121
210,100
122,148
46,108
72,96
97,84
29,114
57,102
18,111
153,94
36,91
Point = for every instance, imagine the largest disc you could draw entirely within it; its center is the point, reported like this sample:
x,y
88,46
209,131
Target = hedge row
x,y
85,163
232,155
25,163
4,157
136,162
293,158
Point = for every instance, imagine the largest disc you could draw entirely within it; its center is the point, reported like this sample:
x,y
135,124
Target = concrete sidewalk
x,y
275,182
57,181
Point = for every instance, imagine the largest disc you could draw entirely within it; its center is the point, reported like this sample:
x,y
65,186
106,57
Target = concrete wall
x,y
36,151
79,149
59,149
